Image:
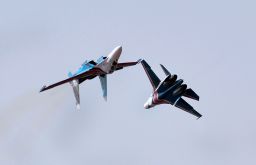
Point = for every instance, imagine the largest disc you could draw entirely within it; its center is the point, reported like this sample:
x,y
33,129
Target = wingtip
x,y
198,115
144,64
139,60
43,88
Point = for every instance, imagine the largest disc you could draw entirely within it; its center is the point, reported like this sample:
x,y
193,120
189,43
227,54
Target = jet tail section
x,y
75,86
191,94
103,82
182,104
167,73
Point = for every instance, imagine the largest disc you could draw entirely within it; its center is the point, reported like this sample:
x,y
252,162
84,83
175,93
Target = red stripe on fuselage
x,y
156,100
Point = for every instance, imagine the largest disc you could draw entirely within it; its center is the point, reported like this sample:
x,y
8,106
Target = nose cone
x,y
115,54
148,103
119,49
146,106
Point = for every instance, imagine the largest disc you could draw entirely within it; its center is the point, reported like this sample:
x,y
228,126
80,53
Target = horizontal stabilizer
x,y
182,104
167,73
191,94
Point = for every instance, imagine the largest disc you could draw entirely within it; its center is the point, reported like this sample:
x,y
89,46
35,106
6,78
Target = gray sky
x,y
210,44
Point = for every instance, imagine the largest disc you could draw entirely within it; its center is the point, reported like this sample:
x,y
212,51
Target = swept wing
x,y
151,75
126,64
92,72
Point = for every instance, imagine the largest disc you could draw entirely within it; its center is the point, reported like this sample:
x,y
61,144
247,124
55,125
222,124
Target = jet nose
x,y
119,49
115,54
146,106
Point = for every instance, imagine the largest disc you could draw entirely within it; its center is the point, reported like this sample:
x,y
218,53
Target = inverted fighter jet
x,y
92,69
169,91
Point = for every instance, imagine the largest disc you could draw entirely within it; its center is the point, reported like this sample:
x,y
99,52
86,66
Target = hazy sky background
x,y
210,44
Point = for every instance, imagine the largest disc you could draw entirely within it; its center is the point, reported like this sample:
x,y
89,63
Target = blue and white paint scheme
x,y
91,69
85,67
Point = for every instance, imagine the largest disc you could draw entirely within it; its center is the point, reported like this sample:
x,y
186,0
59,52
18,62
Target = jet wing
x,y
126,64
93,71
182,104
151,75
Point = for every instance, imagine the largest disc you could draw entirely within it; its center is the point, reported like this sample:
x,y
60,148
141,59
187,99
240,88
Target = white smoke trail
x,y
23,120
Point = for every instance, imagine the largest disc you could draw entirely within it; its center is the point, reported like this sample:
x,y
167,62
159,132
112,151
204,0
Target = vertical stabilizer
x,y
167,73
75,86
103,82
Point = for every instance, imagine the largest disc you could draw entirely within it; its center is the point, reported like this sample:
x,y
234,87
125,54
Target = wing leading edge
x,y
126,64
93,71
151,75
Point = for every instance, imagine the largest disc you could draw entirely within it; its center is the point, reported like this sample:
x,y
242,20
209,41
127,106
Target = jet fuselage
x,y
166,91
109,64
106,64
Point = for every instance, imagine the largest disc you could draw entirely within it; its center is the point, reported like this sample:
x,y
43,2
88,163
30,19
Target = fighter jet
x,y
169,91
92,69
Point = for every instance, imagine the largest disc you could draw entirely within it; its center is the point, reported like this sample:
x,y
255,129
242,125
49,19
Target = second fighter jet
x,y
169,91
